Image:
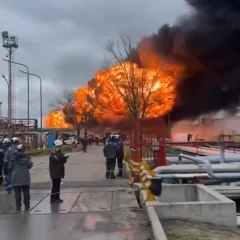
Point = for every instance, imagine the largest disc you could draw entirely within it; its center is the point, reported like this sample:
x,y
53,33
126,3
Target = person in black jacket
x,y
57,159
120,155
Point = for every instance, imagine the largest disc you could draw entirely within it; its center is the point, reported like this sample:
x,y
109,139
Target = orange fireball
x,y
123,89
55,119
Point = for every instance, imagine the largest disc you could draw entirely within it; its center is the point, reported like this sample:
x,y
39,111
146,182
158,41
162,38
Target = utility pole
x,y
10,43
41,100
28,92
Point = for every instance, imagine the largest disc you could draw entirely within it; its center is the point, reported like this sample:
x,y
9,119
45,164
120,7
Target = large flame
x,y
110,87
55,119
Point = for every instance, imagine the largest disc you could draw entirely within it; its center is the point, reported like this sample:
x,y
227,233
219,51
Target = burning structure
x,y
183,71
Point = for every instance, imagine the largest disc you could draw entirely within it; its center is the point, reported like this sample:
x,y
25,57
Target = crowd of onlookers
x,y
15,165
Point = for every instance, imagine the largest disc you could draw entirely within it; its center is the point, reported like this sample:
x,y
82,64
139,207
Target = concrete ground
x,y
82,169
93,209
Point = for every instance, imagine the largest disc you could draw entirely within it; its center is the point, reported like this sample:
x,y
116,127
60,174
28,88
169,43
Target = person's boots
x,y
53,198
58,199
107,174
18,208
5,183
120,173
112,176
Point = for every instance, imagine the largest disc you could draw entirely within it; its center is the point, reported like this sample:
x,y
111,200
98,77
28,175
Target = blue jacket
x,y
11,154
110,149
20,170
1,154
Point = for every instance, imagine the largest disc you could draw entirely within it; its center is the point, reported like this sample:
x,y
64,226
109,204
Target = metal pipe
x,y
205,150
41,101
200,176
203,161
197,168
222,155
212,159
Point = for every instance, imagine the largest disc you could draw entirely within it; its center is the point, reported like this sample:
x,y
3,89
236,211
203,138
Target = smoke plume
x,y
207,45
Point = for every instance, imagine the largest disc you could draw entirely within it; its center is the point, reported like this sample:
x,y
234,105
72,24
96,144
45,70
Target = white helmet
x,y
58,143
20,147
6,140
15,139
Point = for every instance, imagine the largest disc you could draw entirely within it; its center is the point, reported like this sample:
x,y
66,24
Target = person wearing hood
x,y
21,178
57,159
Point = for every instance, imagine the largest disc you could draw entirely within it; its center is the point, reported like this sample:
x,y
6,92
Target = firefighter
x,y
10,155
57,159
21,178
110,153
120,155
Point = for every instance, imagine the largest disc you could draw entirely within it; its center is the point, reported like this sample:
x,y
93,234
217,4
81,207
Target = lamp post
x,y
41,110
10,43
9,102
28,91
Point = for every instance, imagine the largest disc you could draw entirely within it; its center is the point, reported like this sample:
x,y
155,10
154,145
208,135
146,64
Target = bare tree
x,y
76,113
134,85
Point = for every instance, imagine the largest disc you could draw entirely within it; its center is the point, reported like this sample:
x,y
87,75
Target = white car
x,y
69,141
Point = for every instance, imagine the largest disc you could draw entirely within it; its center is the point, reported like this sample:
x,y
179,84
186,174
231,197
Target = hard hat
x,y
15,139
6,140
58,143
20,147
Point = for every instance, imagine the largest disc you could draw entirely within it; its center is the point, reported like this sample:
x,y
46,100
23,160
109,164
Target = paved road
x,y
93,214
82,169
90,211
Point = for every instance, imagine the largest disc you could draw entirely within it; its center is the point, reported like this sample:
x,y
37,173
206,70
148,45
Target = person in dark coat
x,y
5,146
104,140
10,155
21,178
120,155
57,159
1,163
85,142
110,153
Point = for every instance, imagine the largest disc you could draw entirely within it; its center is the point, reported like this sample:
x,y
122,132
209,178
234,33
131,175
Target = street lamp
x,y
28,91
41,110
9,102
9,95
10,43
5,79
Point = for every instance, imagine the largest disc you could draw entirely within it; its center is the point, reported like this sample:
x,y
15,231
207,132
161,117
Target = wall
x,y
178,193
195,203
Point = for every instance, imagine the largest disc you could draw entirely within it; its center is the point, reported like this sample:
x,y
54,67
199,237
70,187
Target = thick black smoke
x,y
207,43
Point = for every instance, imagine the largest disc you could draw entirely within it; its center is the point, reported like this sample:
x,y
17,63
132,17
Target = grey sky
x,y
64,40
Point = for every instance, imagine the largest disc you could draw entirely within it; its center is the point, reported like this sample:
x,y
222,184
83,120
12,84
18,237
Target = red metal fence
x,y
148,142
